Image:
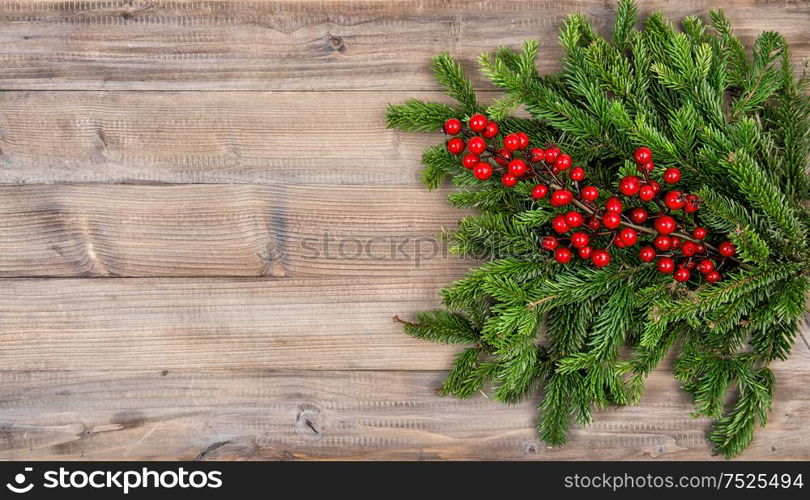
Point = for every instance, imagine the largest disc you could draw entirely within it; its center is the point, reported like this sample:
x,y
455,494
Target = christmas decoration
x,y
654,199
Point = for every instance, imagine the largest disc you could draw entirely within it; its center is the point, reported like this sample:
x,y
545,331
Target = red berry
x,y
580,239
478,122
662,242
482,171
476,145
638,215
452,126
656,187
549,242
692,204
600,257
713,277
665,224
537,155
552,153
563,162
646,167
561,197
700,248
699,232
682,275
503,157
470,160
511,142
574,218
676,242
642,155
577,174
560,224
562,255
524,140
688,248
539,191
517,167
726,249
646,192
618,242
629,185
674,200
455,145
629,236
590,193
594,223
611,220
491,130
665,265
706,266
509,180
672,175
646,254
690,264
585,252
613,204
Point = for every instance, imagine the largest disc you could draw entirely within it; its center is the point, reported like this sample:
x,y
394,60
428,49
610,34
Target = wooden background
x,y
176,179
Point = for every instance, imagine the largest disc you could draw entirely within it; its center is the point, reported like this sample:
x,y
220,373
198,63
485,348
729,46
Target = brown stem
x,y
397,319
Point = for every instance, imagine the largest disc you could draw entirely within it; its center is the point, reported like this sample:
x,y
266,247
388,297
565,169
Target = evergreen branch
x,y
466,377
418,116
626,16
450,75
734,432
440,326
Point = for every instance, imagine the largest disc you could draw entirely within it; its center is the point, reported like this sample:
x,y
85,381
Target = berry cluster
x,y
592,222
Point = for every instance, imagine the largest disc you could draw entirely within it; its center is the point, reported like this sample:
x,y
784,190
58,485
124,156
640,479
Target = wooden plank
x,y
238,324
176,323
225,230
134,415
304,45
207,137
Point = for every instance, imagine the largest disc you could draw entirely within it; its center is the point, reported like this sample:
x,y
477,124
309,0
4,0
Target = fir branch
x,y
466,377
765,196
738,126
451,76
418,116
440,326
734,432
626,16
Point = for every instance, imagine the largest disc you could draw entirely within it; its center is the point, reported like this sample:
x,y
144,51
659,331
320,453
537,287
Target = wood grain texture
x,y
207,137
225,230
157,324
304,45
249,415
107,324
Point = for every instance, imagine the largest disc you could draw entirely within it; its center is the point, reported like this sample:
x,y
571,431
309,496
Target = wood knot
x,y
336,42
531,448
309,421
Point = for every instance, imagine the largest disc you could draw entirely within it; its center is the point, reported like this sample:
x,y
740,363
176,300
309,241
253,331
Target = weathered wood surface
x,y
158,294
107,324
362,415
225,230
296,138
304,45
156,368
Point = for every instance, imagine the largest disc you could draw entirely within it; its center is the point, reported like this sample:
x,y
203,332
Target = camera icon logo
x,y
20,486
